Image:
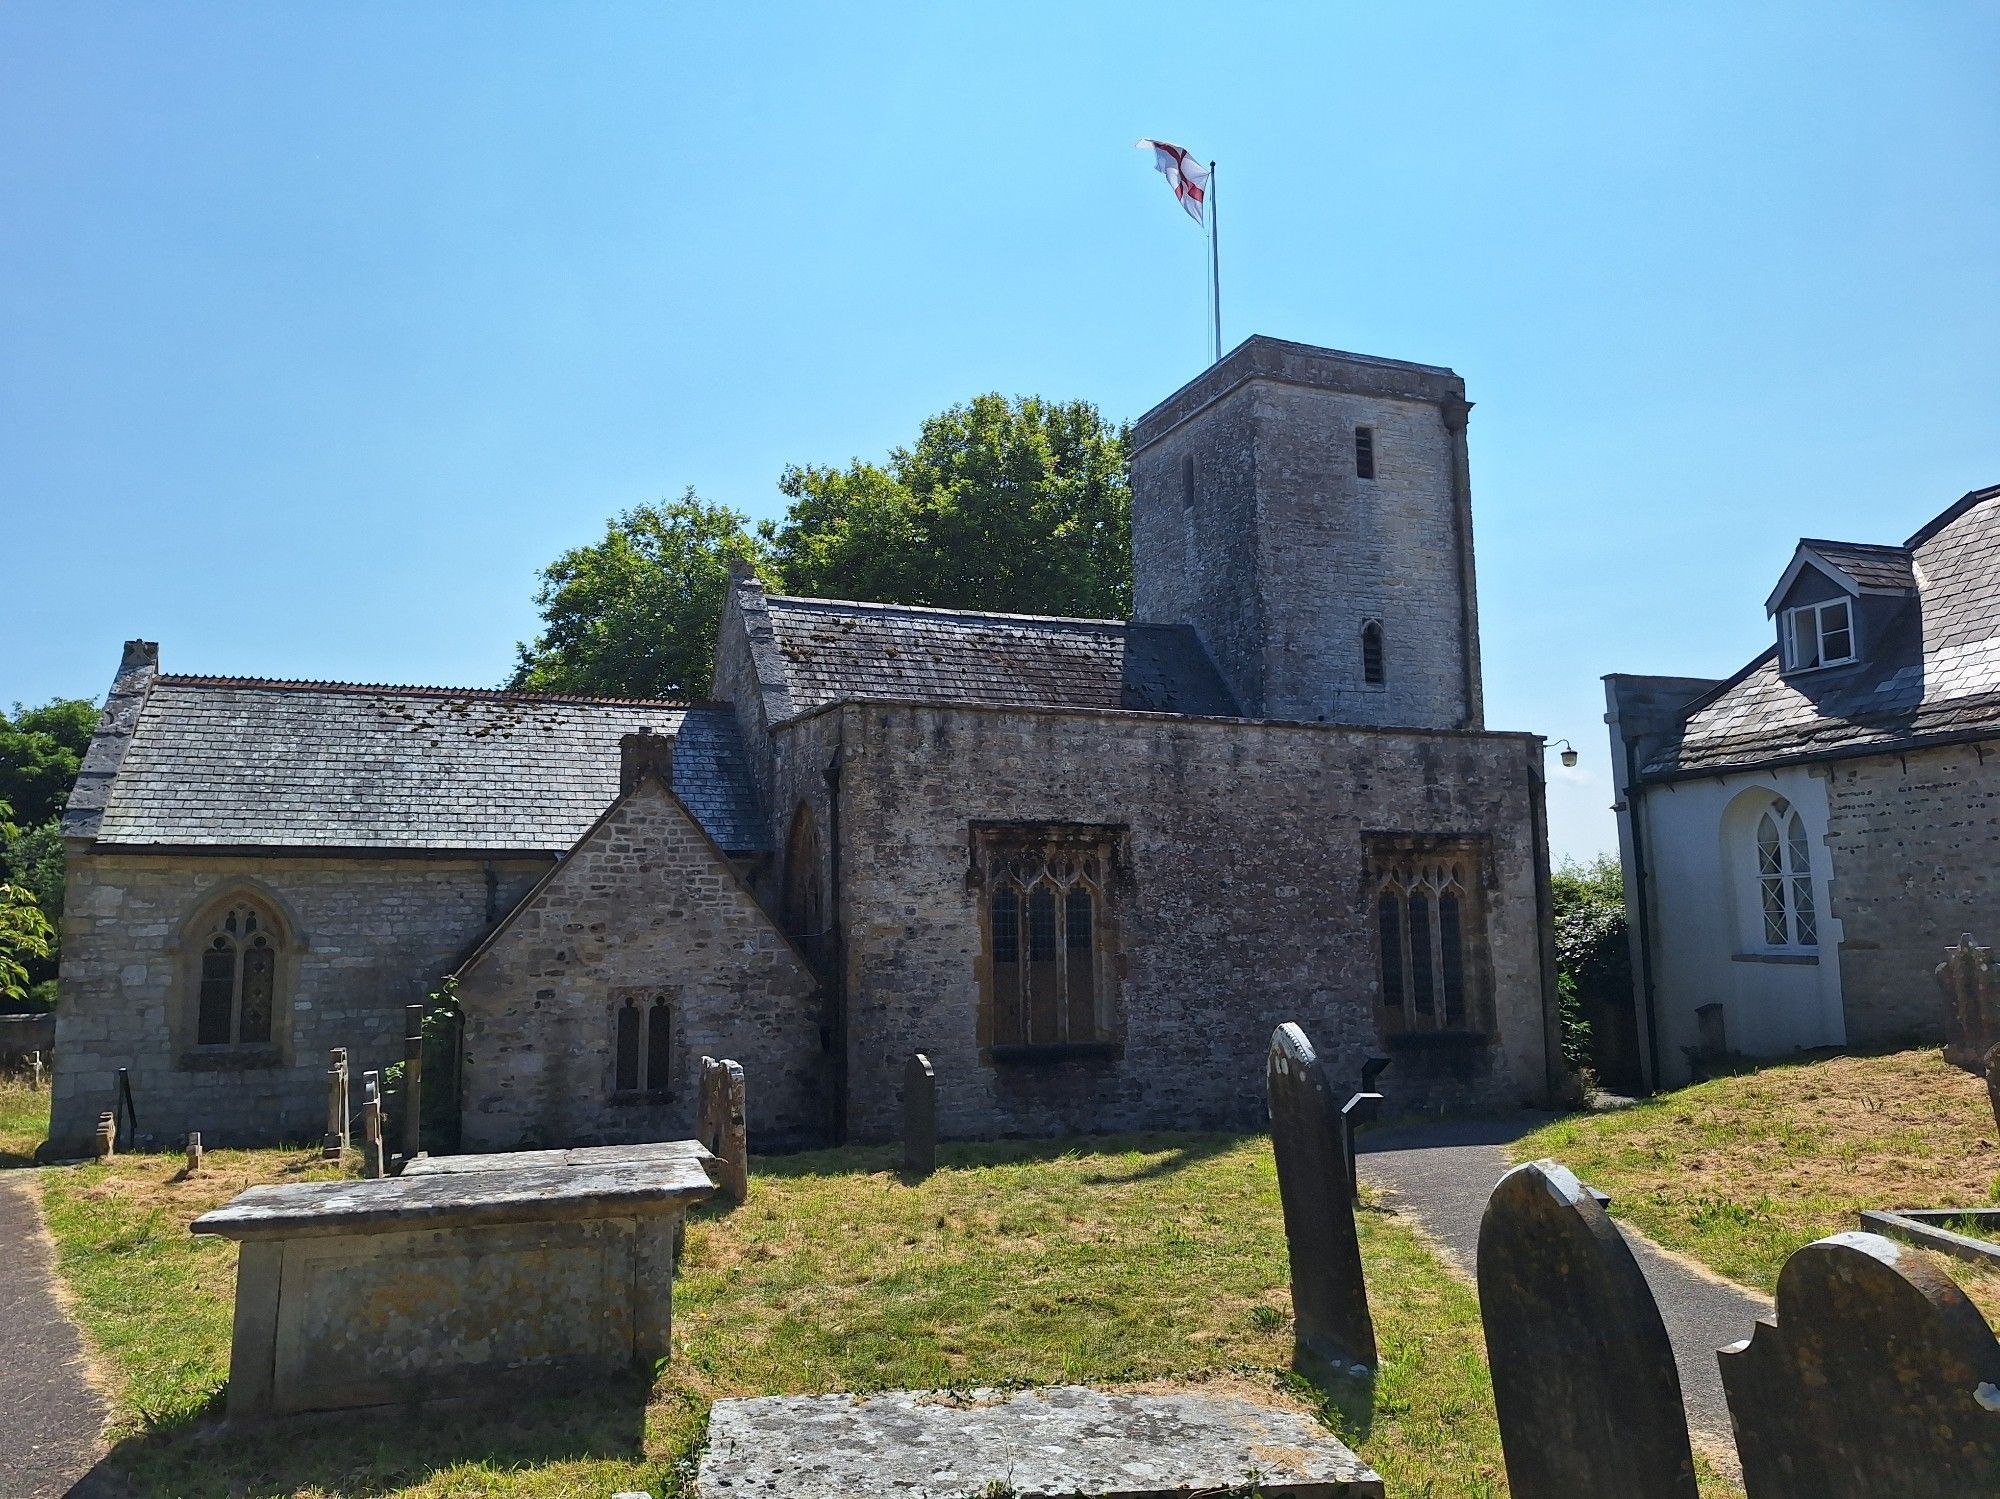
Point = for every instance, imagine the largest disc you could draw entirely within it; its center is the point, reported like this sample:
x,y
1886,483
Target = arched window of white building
x,y
1784,878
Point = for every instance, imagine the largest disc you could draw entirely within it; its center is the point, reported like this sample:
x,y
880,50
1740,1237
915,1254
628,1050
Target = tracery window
x,y
237,980
643,1061
1784,878
1050,934
1430,933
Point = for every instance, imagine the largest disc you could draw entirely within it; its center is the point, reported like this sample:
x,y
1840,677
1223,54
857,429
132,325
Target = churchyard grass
x,y
24,1121
1739,1172
1155,1259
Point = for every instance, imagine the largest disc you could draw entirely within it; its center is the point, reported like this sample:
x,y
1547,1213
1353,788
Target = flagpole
x,y
1215,261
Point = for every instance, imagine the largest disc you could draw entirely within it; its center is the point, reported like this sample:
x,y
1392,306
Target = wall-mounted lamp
x,y
1568,753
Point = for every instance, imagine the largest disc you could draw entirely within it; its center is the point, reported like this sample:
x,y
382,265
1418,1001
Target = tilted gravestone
x,y
1972,1004
919,1116
1878,1377
1583,1374
1331,1325
1992,1067
721,1128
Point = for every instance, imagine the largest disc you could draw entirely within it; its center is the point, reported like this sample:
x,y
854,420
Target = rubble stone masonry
x,y
1915,845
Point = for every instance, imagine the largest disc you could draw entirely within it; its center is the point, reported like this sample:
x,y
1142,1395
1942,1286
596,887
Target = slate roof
x,y
236,762
1869,566
1933,675
834,649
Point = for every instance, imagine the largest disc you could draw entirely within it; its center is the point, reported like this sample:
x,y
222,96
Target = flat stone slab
x,y
536,1194
1035,1444
581,1155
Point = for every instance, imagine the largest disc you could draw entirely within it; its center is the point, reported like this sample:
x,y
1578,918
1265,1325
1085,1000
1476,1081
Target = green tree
x,y
1022,506
41,750
1593,960
635,614
25,937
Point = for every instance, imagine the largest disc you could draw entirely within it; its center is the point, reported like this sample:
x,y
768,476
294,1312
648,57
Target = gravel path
x,y
50,1413
1441,1174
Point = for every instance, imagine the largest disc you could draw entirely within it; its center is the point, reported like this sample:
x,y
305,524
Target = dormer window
x,y
1819,635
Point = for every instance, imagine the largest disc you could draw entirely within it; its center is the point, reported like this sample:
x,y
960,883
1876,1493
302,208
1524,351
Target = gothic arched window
x,y
804,901
1049,935
1784,878
1430,936
236,994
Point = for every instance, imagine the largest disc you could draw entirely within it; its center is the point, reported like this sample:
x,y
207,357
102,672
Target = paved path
x,y
50,1414
1441,1174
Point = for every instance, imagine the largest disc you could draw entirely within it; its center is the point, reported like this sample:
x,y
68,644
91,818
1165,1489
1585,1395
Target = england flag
x,y
1188,176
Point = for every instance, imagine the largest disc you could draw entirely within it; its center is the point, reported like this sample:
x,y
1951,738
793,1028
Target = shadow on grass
x,y
1175,1151
1344,1399
199,1455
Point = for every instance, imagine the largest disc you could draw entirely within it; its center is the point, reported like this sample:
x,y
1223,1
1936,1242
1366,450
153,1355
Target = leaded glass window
x,y
1045,904
1784,879
237,990
1429,935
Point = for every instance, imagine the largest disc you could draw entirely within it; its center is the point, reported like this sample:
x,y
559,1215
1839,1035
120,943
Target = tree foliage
x,y
635,615
41,750
25,936
1021,506
1593,960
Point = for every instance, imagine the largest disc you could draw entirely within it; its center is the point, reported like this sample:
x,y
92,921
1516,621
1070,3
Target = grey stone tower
x,y
1308,512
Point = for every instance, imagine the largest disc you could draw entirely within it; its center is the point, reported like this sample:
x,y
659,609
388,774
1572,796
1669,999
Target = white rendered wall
x,y
1700,888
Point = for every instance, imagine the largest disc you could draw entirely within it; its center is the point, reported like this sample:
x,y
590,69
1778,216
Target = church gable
x,y
588,1009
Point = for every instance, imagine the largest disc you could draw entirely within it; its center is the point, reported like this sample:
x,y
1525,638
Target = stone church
x,y
1085,865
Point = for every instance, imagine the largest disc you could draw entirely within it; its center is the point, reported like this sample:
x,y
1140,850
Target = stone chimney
x,y
645,753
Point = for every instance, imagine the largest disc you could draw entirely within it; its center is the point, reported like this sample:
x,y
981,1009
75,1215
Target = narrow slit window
x,y
1364,452
1372,668
627,1079
659,1042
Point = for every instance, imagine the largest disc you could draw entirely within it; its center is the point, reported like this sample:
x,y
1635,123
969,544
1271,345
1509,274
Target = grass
x,y
1741,1171
1144,1259
24,1121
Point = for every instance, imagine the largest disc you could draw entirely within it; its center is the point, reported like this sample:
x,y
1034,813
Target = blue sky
x,y
323,327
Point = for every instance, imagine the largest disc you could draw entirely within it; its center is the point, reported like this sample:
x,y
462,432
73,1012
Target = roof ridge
x,y
403,689
1859,546
1043,619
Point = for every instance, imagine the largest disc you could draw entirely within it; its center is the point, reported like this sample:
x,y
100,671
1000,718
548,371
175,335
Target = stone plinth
x,y
1037,1444
442,1284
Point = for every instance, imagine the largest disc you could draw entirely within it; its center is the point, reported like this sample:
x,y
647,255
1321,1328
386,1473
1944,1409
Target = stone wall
x,y
1248,905
644,904
1915,846
371,936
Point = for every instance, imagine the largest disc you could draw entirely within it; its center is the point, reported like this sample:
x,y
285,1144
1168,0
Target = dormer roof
x,y
1857,567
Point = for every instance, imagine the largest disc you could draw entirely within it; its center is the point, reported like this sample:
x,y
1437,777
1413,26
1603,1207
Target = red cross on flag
x,y
1188,176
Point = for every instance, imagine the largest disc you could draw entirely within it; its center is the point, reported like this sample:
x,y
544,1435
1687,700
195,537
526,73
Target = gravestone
x,y
1362,1109
413,1082
919,1116
106,1141
194,1152
1993,1082
1331,1325
1877,1377
1583,1374
334,1147
721,1128
373,1164
1972,1005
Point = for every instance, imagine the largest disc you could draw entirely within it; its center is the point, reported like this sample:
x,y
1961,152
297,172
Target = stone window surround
x,y
185,949
652,1088
992,841
1396,864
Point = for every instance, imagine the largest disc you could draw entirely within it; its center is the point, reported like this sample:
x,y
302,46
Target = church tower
x,y
1308,512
